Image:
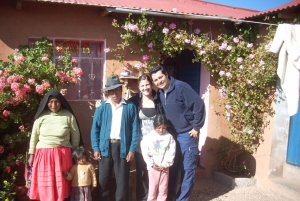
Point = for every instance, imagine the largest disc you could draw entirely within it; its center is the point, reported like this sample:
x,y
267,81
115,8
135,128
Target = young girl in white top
x,y
158,149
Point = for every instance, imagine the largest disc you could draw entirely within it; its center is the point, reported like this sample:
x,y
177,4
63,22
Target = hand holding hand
x,y
65,173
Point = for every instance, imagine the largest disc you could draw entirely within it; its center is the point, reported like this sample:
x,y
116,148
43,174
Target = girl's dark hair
x,y
78,152
145,77
159,120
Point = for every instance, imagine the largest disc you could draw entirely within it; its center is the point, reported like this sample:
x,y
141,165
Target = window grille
x,y
90,56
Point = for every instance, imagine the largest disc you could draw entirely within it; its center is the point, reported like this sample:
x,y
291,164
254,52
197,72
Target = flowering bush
x,y
24,80
245,70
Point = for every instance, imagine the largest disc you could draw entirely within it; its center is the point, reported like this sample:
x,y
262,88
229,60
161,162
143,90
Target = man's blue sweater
x,y
129,131
183,106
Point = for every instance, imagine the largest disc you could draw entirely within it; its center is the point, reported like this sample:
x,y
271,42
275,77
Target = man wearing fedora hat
x,y
115,137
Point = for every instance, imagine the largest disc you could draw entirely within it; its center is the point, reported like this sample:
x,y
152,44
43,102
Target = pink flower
x,y
150,45
172,26
44,59
74,60
240,59
246,104
16,50
8,169
39,89
75,80
46,83
138,66
202,52
141,33
165,30
229,48
227,106
223,95
250,132
160,23
244,162
268,46
187,40
1,72
251,56
148,29
59,48
221,73
250,45
64,91
22,128
191,22
261,62
15,86
1,149
145,57
236,39
31,81
106,50
17,162
223,46
78,71
19,58
20,93
228,74
197,31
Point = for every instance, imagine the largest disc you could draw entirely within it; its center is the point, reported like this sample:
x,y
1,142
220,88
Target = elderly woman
x,y
55,132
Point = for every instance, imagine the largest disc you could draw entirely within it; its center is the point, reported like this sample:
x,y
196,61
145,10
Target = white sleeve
x,y
170,153
147,153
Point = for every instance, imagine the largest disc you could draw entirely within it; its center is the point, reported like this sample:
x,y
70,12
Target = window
x,y
90,56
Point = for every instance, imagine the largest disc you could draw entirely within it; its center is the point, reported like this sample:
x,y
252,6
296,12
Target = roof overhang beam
x,y
165,14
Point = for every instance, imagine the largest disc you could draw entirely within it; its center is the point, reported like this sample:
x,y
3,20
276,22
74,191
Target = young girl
x,y
158,150
82,175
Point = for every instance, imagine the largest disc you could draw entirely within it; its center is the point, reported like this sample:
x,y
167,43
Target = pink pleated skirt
x,y
48,182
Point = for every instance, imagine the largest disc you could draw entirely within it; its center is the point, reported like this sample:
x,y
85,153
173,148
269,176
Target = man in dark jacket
x,y
186,112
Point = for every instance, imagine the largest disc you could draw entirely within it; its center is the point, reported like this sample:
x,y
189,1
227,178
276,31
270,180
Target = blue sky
x,y
260,5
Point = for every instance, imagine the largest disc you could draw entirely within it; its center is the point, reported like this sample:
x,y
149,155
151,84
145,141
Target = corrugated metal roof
x,y
287,6
183,7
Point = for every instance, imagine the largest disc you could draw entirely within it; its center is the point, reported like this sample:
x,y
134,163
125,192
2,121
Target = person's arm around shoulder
x,y
95,131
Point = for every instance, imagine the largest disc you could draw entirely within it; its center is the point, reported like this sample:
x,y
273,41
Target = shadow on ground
x,y
206,189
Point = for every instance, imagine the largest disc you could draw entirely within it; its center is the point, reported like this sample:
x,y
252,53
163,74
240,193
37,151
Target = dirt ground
x,y
209,189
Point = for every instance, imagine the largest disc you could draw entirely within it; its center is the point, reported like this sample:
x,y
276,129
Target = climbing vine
x,y
245,70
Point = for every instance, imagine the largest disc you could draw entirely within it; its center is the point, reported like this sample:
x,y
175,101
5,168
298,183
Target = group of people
x,y
158,129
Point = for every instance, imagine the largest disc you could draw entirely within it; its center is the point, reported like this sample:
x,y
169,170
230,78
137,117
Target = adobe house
x,y
85,27
284,150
